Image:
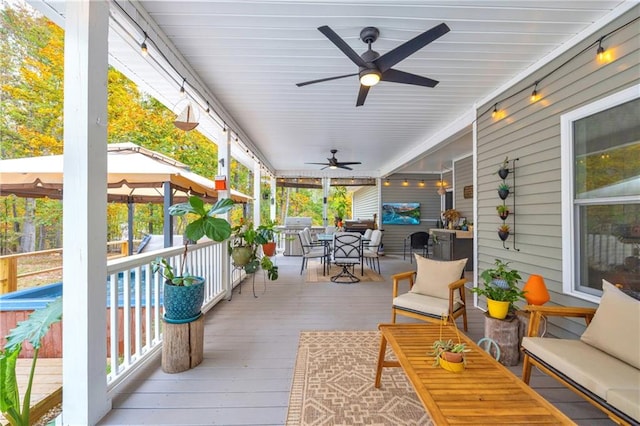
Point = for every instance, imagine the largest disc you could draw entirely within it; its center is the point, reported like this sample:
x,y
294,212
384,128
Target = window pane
x,y
610,246
607,153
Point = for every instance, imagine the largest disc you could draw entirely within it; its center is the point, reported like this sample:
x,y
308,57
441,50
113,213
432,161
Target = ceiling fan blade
x,y
348,163
325,79
362,95
408,48
342,45
396,76
340,166
320,164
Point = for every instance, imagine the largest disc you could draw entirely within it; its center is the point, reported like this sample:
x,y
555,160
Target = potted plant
x,y
503,211
503,171
183,293
503,231
267,235
449,355
500,289
243,246
503,190
451,215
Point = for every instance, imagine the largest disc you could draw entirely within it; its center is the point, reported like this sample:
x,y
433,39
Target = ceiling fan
x,y
335,164
373,67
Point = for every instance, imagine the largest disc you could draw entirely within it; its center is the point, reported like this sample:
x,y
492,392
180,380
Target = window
x,y
601,194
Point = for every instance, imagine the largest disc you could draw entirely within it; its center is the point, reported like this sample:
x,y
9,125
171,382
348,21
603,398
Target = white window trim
x,y
567,171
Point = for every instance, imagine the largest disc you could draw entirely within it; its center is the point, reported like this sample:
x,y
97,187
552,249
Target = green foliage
x,y
32,330
203,223
246,237
502,208
503,187
491,291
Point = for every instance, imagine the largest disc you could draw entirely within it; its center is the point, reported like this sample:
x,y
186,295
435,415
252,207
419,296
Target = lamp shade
x,y
536,291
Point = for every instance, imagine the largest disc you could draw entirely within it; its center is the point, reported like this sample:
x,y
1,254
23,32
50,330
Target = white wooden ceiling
x,y
250,54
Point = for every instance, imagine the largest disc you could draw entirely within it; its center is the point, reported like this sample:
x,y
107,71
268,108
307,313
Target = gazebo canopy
x,y
135,175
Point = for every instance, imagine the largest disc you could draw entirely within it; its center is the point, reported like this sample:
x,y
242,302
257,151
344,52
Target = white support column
x,y
326,185
257,193
272,199
224,164
85,218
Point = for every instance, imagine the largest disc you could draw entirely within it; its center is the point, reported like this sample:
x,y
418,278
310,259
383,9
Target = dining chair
x,y
370,252
311,251
347,253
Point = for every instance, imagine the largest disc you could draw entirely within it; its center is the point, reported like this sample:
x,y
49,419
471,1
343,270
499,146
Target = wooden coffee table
x,y
484,393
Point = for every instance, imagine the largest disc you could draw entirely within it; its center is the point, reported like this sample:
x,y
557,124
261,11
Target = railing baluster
x,y
138,311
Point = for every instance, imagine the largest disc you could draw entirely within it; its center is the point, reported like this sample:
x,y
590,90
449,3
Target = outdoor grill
x,y
293,225
360,225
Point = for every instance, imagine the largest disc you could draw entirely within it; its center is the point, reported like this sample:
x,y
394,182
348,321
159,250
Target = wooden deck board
x,y
250,347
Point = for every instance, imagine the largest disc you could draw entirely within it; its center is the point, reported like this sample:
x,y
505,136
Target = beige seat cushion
x,y
615,328
433,276
426,304
626,400
585,365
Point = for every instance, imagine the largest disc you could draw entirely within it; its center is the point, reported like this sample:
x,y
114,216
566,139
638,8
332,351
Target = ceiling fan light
x,y
332,167
370,77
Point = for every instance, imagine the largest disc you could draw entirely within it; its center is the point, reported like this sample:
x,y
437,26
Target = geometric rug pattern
x,y
314,273
333,383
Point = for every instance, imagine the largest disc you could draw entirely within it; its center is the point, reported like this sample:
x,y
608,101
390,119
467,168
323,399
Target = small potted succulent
x,y
500,288
503,231
503,190
183,293
503,211
503,171
449,355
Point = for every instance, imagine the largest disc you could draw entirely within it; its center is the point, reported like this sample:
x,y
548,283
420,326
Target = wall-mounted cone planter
x,y
503,235
503,173
503,193
504,215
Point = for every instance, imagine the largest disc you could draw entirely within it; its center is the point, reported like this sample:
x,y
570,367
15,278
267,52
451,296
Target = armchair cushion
x,y
615,328
419,303
433,277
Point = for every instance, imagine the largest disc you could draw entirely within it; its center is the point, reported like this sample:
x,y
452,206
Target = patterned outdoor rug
x,y
333,383
314,273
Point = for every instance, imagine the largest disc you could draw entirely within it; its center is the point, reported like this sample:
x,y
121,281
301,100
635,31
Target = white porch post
x,y
85,218
272,198
257,193
326,184
224,163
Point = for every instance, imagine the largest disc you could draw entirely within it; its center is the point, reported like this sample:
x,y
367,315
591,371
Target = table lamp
x,y
536,291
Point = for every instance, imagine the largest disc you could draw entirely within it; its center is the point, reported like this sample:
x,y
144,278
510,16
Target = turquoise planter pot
x,y
183,303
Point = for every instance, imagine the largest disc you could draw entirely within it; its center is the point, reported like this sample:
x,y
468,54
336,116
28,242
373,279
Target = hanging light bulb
x,y
534,94
421,183
405,183
386,182
494,113
143,46
208,110
182,91
224,127
601,52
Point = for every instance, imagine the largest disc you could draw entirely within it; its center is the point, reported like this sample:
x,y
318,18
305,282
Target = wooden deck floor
x,y
250,350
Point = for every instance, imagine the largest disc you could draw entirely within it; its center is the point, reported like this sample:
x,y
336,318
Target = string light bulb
x,y
224,127
601,52
421,183
405,183
143,46
182,91
534,94
387,183
494,113
208,110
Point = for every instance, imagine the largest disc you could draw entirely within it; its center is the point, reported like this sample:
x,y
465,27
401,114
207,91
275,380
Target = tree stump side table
x,y
506,334
182,346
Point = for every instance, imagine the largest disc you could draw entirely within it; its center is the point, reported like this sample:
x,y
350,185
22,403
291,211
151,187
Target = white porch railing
x,y
134,327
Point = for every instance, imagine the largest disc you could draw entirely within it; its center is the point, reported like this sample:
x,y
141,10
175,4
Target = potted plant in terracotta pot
x,y
183,293
449,355
500,288
243,246
267,236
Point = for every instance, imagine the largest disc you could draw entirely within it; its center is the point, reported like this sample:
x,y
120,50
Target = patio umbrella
x,y
135,175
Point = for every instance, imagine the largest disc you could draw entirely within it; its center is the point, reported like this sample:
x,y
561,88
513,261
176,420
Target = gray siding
x,y
463,172
531,132
427,196
365,202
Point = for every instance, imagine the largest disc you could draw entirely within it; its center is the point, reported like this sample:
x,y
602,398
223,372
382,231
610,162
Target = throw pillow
x,y
615,328
434,276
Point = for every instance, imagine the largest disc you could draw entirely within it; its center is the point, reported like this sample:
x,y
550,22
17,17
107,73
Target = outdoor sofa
x,y
603,366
